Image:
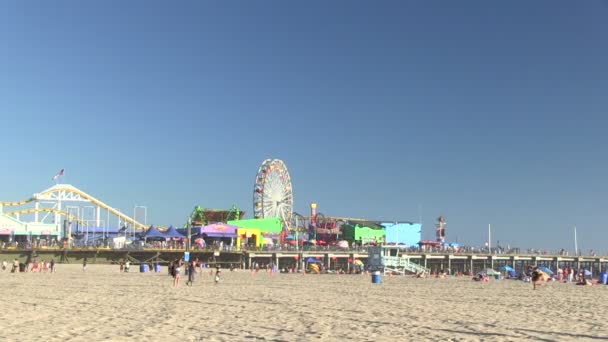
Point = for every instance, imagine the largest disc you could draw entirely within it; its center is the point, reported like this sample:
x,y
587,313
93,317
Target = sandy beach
x,y
103,304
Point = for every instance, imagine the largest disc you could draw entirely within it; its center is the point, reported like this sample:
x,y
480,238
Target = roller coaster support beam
x,y
98,216
57,215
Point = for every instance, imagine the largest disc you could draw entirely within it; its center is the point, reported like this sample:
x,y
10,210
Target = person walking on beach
x,y
84,265
177,271
52,268
538,276
171,269
217,275
191,270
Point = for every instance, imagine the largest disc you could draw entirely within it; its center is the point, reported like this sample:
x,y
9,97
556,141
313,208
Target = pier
x,y
331,259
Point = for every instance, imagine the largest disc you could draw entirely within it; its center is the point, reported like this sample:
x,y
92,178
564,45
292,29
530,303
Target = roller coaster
x,y
72,218
60,194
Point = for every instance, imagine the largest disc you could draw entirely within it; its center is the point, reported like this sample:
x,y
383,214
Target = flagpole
x,y
575,243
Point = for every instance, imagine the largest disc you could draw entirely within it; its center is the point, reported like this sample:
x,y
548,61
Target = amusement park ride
x,y
204,216
57,203
272,198
272,192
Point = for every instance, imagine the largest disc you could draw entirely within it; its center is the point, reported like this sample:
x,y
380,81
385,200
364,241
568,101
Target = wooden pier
x,y
435,262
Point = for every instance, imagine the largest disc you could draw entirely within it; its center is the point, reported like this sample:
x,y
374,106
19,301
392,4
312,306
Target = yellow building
x,y
249,237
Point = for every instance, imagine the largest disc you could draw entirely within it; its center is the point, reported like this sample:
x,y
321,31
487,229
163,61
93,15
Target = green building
x,y
364,233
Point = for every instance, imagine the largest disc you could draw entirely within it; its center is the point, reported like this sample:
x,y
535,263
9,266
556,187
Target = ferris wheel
x,y
272,193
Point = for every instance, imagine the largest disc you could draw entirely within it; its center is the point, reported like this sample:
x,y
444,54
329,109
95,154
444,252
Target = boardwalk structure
x,y
399,261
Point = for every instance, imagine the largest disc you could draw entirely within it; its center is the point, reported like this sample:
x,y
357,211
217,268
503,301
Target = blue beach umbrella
x,y
546,270
313,260
507,268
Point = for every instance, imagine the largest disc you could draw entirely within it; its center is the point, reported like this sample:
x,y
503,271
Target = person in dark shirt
x,y
217,274
191,270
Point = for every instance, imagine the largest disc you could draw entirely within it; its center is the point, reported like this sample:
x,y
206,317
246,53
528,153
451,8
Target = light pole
x,y
489,238
119,227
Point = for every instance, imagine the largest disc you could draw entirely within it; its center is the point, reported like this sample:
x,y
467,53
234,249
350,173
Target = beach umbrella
x,y
312,260
587,273
489,272
507,268
199,241
546,270
358,262
343,244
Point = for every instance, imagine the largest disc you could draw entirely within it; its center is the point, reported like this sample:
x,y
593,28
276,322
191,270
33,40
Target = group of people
x,y
190,268
32,266
567,275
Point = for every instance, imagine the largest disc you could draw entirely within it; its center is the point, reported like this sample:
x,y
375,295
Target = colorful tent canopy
x,y
219,230
313,260
152,233
173,233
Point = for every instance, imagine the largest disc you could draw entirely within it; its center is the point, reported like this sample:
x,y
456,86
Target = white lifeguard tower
x,y
389,259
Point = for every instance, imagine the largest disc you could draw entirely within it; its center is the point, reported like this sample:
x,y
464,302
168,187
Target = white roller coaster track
x,y
67,193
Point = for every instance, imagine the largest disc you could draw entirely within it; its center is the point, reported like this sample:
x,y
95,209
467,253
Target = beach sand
x,y
103,304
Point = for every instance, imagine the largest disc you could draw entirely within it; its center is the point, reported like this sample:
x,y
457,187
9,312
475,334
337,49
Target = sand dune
x,y
103,304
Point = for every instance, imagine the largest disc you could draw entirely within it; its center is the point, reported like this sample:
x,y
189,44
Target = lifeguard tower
x,y
389,259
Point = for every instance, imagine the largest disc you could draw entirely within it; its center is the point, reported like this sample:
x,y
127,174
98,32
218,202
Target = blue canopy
x,y
546,270
313,260
507,268
184,231
173,233
152,233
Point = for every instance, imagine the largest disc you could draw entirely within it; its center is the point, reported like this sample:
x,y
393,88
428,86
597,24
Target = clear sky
x,y
484,112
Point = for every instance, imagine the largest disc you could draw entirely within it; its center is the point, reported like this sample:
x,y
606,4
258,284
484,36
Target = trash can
x,y
21,267
143,268
603,278
376,278
156,268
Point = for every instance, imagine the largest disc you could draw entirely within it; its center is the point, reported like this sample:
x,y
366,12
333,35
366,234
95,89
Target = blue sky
x,y
484,113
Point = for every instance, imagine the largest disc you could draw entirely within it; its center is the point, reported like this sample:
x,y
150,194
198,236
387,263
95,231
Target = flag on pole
x,y
59,174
